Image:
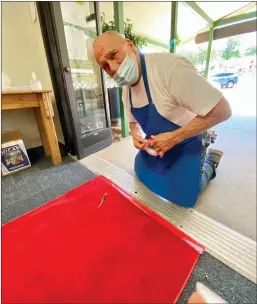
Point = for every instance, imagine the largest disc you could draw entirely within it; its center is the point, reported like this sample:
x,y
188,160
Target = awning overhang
x,y
228,31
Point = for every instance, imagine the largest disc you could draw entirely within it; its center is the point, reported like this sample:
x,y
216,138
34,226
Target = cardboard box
x,y
14,156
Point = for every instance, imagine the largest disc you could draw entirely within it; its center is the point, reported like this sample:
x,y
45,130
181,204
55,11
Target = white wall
x,y
23,53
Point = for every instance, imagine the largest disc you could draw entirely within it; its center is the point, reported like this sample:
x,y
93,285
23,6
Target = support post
x,y
208,57
119,26
173,26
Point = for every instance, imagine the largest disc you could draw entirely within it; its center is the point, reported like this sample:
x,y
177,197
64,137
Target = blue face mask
x,y
127,73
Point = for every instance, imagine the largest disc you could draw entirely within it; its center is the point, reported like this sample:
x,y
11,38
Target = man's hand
x,y
164,142
196,298
139,142
136,132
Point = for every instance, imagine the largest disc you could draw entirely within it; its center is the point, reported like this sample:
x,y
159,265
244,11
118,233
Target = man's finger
x,y
139,145
161,154
159,147
154,143
140,140
152,140
196,299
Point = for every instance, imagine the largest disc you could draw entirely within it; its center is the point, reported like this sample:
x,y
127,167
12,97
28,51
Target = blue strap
x,y
130,98
143,67
144,73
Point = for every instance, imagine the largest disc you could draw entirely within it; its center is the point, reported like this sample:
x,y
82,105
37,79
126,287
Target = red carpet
x,y
71,251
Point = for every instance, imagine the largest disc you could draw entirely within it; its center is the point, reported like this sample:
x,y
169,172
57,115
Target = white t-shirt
x,y
178,91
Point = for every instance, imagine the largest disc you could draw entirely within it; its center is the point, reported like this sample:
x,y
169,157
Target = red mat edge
x,y
178,233
51,201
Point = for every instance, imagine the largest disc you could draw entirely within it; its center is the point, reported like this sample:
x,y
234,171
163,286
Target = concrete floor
x,y
231,197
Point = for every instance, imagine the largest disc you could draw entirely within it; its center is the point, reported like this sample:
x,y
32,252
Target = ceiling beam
x,y
234,19
200,12
157,43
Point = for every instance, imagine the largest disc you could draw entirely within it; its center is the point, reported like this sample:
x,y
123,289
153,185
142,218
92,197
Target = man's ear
x,y
130,43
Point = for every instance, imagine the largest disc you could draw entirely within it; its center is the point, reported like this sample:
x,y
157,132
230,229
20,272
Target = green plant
x,y
251,51
232,49
138,40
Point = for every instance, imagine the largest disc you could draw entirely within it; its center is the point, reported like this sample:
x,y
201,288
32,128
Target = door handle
x,y
66,69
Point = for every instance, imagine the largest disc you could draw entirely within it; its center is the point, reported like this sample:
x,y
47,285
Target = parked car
x,y
225,79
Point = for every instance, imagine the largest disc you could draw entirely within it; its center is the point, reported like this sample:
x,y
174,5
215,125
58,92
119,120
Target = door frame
x,y
51,23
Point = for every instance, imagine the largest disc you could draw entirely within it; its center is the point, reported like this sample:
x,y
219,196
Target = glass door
x,y
76,25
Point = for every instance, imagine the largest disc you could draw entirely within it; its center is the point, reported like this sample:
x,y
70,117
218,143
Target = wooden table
x,y
41,103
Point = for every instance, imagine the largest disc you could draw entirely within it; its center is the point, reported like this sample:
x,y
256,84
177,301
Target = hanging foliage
x,y
129,33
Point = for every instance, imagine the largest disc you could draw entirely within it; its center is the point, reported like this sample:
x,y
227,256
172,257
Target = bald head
x,y
110,49
113,36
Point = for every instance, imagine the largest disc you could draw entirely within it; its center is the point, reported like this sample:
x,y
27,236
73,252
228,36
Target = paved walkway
x,y
231,197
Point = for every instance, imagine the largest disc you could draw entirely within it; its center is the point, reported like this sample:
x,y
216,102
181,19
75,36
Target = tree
x,y
232,49
200,57
251,51
192,57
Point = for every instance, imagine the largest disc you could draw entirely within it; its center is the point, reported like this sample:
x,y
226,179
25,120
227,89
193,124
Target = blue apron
x,y
176,176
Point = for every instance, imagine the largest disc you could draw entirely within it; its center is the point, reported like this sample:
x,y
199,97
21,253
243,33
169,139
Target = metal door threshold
x,y
225,244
